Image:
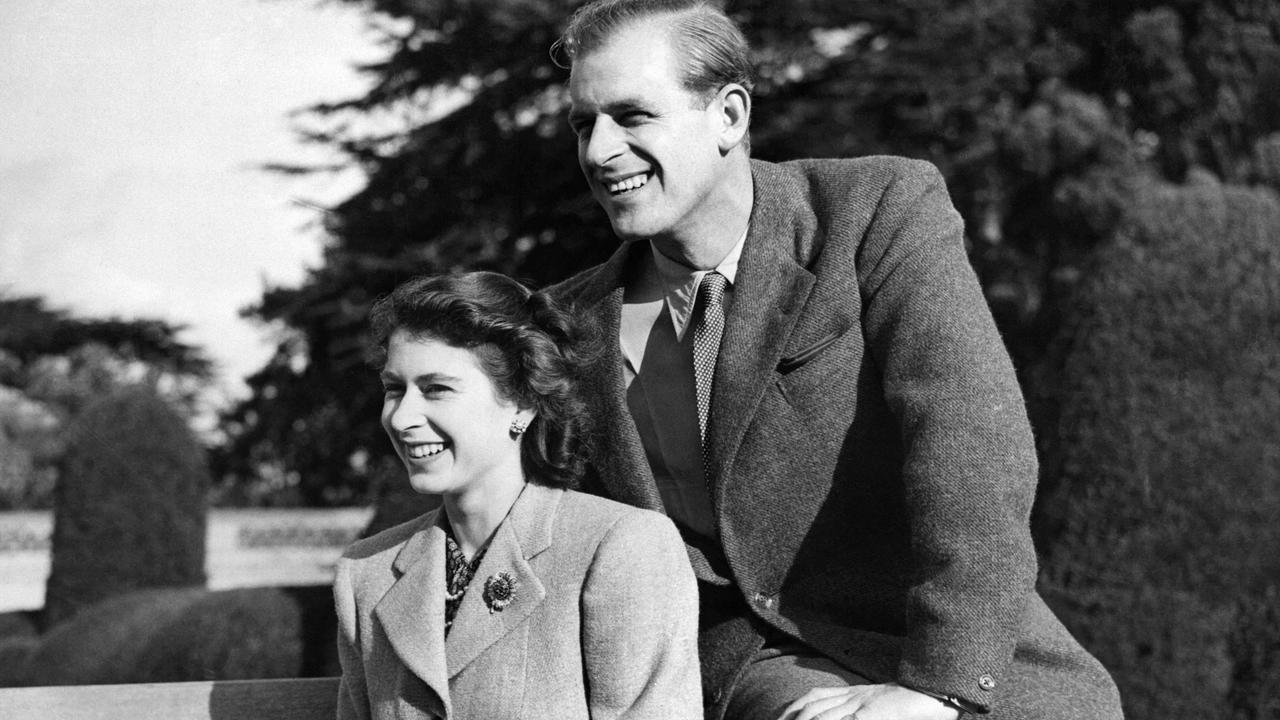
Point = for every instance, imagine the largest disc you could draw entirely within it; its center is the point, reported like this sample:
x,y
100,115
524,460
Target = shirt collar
x,y
680,282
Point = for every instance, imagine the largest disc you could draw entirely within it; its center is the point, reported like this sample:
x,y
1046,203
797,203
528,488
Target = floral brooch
x,y
499,590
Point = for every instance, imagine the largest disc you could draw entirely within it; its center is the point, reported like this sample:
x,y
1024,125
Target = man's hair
x,y
712,49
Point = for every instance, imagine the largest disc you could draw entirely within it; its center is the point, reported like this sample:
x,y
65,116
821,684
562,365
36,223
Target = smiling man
x,y
807,380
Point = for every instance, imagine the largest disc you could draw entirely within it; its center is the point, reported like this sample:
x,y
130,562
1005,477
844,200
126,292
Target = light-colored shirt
x,y
657,352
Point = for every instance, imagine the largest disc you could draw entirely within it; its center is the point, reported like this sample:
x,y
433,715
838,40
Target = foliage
x,y
19,637
319,633
17,624
1255,645
31,330
130,503
171,635
1164,470
51,364
14,653
1156,629
1042,115
28,448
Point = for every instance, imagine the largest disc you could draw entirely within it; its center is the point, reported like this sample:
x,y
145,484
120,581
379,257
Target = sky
x,y
132,134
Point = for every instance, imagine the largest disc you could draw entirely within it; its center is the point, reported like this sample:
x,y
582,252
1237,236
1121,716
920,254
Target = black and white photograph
x,y
640,359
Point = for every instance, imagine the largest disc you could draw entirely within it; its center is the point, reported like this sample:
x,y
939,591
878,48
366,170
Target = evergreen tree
x,y
52,363
1042,115
1163,477
129,505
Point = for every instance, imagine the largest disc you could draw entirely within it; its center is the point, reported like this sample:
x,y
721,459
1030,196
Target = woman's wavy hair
x,y
531,348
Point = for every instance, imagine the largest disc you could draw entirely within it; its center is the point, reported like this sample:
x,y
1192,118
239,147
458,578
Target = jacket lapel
x,y
619,455
407,610
770,290
525,533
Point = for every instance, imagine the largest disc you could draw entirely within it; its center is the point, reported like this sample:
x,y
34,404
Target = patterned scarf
x,y
458,573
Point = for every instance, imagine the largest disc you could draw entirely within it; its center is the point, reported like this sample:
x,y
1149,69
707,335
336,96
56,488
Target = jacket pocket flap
x,y
791,362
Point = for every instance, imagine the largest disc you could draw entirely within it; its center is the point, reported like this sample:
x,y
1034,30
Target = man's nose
x,y
605,143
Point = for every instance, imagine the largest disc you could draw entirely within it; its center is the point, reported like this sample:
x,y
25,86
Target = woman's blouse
x,y
458,573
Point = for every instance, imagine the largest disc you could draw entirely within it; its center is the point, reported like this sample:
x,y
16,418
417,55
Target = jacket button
x,y
986,682
763,600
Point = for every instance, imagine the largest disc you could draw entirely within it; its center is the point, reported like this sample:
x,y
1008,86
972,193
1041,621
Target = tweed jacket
x,y
872,464
602,624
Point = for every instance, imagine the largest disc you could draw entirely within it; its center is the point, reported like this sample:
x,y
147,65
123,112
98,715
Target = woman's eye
x,y
434,389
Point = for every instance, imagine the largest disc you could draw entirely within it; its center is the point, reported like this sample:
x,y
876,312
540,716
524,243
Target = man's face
x,y
649,148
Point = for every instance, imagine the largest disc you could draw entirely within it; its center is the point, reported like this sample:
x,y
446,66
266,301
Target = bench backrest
x,y
298,699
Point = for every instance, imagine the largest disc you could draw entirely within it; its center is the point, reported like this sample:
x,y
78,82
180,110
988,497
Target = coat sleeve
x,y
969,468
640,624
353,698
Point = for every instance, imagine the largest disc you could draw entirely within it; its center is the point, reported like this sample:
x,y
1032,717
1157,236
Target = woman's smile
x,y
420,451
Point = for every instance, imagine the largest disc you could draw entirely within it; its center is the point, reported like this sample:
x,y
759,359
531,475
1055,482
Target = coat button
x,y
986,682
765,601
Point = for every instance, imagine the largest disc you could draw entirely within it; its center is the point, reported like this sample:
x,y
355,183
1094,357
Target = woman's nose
x,y
406,414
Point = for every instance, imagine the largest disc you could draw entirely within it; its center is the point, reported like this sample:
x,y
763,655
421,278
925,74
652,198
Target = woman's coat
x,y
602,622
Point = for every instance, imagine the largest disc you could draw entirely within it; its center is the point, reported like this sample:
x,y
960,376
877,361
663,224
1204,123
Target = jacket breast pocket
x,y
820,368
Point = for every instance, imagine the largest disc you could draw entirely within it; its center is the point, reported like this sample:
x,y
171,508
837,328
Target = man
x,y
804,375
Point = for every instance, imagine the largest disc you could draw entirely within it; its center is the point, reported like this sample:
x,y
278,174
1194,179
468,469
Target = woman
x,y
518,598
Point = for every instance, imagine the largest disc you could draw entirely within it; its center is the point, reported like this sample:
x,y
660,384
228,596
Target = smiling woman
x,y
450,426
577,594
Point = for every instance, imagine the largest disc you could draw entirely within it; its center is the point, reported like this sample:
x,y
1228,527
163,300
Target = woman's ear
x,y
733,103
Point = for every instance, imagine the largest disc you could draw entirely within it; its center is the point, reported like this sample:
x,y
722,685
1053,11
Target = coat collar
x,y
771,289
419,593
620,457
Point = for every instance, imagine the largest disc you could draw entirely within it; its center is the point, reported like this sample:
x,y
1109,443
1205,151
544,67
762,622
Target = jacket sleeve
x,y
969,468
640,624
353,698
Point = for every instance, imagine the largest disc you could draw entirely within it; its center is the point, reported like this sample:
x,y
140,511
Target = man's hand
x,y
868,702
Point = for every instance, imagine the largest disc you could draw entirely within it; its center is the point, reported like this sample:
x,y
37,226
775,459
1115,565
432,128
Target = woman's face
x,y
446,419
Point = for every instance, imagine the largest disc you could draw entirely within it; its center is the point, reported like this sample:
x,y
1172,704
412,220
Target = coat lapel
x,y
770,290
407,610
619,455
524,534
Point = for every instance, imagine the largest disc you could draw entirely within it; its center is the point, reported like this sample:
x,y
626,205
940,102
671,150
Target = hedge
x,y
1161,514
173,634
130,503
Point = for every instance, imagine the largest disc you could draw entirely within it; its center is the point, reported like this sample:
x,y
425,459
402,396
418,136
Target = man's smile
x,y
627,184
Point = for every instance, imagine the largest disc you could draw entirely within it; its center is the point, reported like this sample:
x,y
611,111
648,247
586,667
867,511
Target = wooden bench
x,y
299,699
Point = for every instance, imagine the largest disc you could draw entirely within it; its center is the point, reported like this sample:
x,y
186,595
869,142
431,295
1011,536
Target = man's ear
x,y
734,105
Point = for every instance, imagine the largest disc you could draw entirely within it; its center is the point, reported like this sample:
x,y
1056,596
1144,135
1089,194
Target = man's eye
x,y
633,117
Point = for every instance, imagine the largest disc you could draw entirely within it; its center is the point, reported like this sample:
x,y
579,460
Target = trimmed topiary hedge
x,y
173,634
14,652
129,505
1161,514
1255,647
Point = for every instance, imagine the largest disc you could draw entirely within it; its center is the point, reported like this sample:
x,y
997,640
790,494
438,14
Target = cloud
x,y
133,131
